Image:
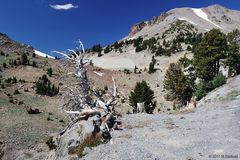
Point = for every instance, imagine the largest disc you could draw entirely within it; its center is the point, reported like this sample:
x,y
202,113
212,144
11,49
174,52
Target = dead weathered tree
x,y
81,102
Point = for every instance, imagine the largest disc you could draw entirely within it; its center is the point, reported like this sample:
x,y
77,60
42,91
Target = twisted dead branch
x,y
80,102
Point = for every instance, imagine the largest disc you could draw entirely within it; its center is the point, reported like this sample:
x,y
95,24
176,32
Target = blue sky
x,y
47,27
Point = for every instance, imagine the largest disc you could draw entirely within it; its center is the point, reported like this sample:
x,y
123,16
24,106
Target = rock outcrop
x,y
136,28
8,46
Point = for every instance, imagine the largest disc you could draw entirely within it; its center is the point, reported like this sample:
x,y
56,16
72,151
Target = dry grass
x,y
127,136
139,125
88,142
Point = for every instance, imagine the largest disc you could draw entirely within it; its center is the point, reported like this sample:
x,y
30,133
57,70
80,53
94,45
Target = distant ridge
x,y
9,46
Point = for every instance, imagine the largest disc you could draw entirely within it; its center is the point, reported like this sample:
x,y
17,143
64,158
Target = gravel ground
x,y
212,130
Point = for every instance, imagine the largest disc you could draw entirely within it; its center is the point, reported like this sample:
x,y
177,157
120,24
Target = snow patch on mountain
x,y
131,38
199,12
43,54
185,19
98,73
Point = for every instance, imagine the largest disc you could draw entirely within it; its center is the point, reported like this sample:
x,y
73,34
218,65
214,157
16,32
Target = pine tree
x,y
176,84
49,72
151,68
97,48
233,54
14,62
207,54
233,59
34,64
138,41
138,49
135,69
99,54
24,59
189,48
4,65
14,80
142,94
160,51
107,49
164,42
44,87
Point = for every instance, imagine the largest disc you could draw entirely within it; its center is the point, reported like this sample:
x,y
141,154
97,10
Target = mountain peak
x,y
3,35
216,6
204,19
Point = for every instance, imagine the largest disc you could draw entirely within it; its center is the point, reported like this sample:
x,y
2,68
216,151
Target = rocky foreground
x,y
211,130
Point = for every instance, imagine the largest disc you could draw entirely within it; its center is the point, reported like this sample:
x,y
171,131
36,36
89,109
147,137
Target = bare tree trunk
x,y
81,102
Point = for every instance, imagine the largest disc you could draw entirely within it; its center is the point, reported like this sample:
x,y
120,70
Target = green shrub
x,y
8,80
14,80
34,64
20,103
22,81
120,50
49,72
151,68
24,59
138,49
106,88
99,54
51,143
44,87
97,48
160,51
16,92
11,100
127,71
189,48
91,63
200,90
107,49
49,119
137,41
4,65
142,94
218,81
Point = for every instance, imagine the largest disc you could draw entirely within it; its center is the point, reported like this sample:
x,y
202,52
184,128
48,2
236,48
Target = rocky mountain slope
x,y
10,46
203,19
7,45
162,31
160,34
